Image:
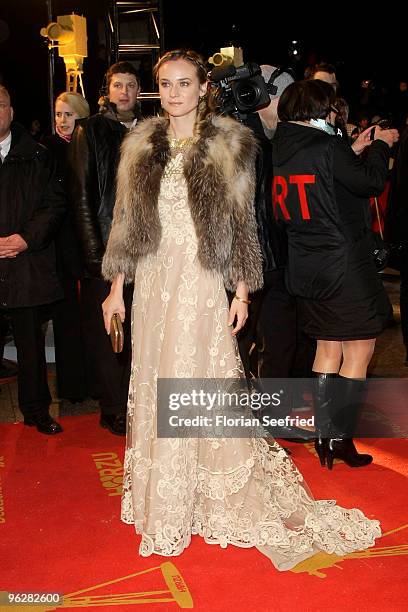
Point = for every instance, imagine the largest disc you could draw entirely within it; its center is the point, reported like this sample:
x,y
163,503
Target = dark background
x,y
361,46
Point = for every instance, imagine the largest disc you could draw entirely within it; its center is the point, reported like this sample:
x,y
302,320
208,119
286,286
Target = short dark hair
x,y
321,67
304,100
121,68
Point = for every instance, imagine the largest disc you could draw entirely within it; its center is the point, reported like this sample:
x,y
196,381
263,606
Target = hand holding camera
x,y
383,131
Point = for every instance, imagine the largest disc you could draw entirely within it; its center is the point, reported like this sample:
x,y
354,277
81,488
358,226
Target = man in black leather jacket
x,y
94,157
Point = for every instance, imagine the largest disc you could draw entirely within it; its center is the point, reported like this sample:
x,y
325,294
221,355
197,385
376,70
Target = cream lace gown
x,y
229,491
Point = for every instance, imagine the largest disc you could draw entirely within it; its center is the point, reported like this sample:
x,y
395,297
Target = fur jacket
x,y
219,169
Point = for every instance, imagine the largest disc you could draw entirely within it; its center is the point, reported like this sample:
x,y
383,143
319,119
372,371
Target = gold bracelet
x,y
240,299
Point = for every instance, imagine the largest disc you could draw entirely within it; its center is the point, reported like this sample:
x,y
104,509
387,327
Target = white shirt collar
x,y
5,146
130,125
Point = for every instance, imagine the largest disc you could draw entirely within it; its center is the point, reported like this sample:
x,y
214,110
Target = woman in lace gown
x,y
183,230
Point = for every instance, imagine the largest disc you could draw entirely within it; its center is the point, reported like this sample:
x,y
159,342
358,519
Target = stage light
x,y
227,56
69,32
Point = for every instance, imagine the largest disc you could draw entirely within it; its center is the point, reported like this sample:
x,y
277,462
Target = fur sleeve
x,y
119,256
246,257
136,226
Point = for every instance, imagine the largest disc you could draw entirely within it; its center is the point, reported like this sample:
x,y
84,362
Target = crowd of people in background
x,y
83,157
156,220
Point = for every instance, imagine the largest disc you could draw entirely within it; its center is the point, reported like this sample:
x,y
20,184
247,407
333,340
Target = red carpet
x,y
60,533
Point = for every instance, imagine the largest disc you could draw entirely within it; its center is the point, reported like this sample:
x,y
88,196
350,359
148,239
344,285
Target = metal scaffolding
x,y
134,32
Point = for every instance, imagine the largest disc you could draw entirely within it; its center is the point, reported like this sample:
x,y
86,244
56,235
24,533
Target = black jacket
x,y
396,223
321,190
94,156
32,204
271,234
69,262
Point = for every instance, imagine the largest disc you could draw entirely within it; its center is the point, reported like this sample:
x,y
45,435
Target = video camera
x,y
238,89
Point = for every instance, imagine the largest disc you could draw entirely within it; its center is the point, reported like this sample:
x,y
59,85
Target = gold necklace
x,y
179,144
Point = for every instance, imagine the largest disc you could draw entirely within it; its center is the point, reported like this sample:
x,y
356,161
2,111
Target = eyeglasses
x,y
334,110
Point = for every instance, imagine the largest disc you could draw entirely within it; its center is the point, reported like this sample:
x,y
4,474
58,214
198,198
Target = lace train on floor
x,y
263,502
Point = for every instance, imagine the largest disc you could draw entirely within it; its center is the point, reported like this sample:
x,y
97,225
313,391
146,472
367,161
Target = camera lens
x,y
384,124
247,94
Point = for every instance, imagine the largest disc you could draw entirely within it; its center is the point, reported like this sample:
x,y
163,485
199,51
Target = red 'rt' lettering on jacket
x,y
280,193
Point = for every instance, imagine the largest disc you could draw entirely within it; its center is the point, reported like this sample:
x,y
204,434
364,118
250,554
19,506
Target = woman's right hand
x,y
114,303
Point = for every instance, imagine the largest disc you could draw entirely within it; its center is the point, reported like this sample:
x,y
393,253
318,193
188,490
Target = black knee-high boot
x,y
323,410
350,395
337,404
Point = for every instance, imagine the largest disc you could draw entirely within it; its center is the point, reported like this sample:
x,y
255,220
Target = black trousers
x,y
404,303
109,372
302,366
276,330
33,393
247,337
69,342
275,327
4,328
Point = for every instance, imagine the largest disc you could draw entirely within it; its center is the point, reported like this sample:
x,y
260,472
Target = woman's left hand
x,y
238,312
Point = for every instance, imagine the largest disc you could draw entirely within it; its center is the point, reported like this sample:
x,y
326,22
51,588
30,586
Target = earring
x,y
202,103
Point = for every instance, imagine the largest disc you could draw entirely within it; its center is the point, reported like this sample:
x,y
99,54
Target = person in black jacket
x,y
273,344
396,227
320,190
66,313
32,205
284,350
267,343
94,156
260,343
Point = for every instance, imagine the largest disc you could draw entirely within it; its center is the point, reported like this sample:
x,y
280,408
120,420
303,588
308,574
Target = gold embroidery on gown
x,y
229,491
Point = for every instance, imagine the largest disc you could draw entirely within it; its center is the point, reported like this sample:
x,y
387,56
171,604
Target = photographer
x,y
272,325
283,348
272,344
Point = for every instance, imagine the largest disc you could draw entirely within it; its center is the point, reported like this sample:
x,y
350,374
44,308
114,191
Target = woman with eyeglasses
x,y
320,191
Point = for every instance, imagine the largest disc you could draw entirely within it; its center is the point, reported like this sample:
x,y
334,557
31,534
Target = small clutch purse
x,y
116,333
